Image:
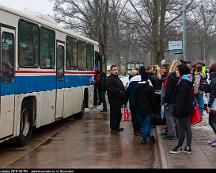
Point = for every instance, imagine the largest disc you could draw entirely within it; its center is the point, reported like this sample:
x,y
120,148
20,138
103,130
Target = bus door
x,y
60,53
7,81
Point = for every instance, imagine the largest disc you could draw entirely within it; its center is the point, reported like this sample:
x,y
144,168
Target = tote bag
x,y
195,116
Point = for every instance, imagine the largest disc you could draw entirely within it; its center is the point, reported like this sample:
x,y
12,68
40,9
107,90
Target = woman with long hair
x,y
171,84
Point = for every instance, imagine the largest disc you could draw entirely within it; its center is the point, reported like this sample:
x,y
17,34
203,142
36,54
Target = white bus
x,y
46,73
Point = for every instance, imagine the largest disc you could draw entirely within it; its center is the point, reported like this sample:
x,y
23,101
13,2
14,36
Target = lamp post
x,y
184,30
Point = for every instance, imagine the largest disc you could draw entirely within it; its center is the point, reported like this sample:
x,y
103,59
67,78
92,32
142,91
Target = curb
x,y
163,159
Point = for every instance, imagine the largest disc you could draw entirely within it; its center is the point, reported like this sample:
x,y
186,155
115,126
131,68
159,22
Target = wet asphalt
x,y
83,143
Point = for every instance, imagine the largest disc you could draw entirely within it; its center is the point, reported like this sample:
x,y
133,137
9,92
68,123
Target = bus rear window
x,y
28,38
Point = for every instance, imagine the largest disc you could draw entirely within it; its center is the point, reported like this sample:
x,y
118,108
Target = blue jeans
x,y
200,101
145,124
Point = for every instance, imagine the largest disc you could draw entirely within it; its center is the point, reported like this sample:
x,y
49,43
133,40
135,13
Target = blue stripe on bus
x,y
29,84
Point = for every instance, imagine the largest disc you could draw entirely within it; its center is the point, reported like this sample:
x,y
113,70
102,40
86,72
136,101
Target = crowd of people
x,y
169,90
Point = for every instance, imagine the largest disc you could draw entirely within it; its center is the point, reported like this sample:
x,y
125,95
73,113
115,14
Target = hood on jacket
x,y
187,77
136,78
145,82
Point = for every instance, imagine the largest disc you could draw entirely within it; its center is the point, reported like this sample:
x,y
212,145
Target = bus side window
x,y
82,56
28,38
47,48
71,54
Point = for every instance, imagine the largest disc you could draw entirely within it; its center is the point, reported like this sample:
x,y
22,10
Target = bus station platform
x,y
202,156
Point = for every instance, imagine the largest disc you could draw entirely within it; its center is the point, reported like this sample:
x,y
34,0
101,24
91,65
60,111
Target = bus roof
x,y
43,20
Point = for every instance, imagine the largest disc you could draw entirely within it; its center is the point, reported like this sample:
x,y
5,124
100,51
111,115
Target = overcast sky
x,y
42,6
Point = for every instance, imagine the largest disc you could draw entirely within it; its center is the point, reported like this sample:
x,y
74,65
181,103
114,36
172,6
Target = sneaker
x,y
114,131
153,140
212,141
120,129
213,144
164,134
103,111
143,141
187,149
176,150
137,134
169,137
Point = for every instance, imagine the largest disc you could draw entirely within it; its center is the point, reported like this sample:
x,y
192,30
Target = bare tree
x,y
156,17
86,16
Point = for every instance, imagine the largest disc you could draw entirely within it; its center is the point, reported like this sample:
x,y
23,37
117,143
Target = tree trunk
x,y
155,22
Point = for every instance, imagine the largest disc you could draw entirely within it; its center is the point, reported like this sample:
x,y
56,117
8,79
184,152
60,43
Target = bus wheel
x,y
26,125
81,114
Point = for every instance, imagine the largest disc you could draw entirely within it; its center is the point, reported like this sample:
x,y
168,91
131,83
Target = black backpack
x,y
203,84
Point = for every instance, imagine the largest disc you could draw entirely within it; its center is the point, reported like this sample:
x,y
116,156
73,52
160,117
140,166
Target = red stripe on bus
x,y
28,71
67,72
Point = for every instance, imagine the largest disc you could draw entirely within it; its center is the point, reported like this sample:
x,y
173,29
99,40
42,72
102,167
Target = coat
x,y
102,83
212,88
144,99
183,99
115,88
131,89
171,86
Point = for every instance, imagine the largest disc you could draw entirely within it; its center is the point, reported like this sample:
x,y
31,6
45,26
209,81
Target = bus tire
x,y
81,113
26,125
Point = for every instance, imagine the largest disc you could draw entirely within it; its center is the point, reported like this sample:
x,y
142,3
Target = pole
x,y
184,30
204,51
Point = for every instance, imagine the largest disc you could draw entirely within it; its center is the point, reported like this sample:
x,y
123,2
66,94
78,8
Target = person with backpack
x,y
212,90
130,95
200,84
183,107
144,105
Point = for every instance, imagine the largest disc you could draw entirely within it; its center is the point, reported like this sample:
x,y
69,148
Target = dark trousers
x,y
170,120
95,96
103,99
135,121
184,128
212,121
115,113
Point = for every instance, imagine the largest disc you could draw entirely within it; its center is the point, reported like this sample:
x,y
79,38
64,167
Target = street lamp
x,y
122,63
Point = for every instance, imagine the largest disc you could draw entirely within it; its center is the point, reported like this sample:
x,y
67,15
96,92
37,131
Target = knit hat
x,y
142,72
183,69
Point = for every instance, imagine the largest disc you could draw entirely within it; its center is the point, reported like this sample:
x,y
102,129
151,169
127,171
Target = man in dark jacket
x,y
102,91
130,95
116,95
